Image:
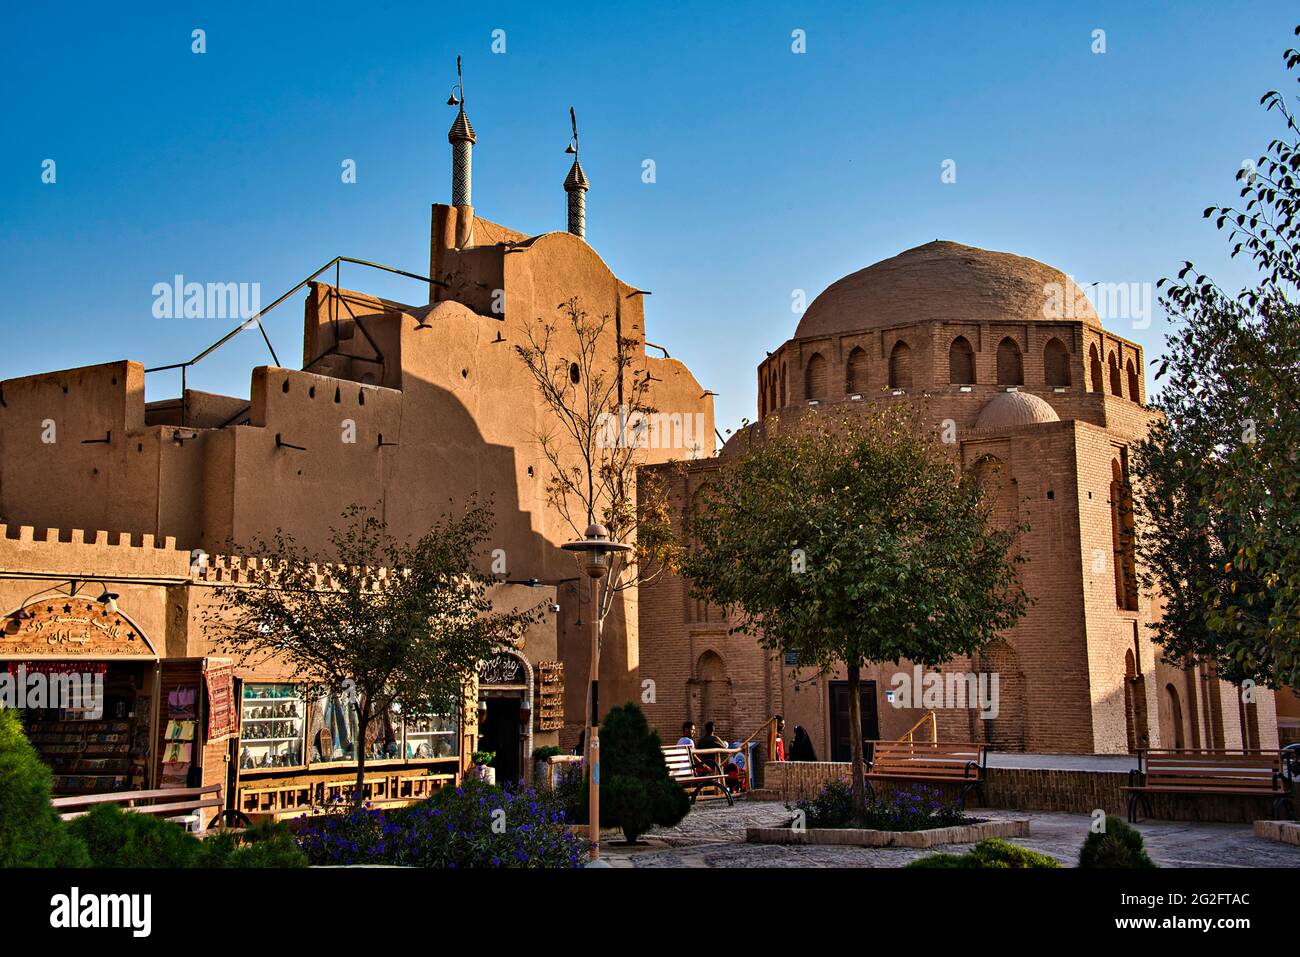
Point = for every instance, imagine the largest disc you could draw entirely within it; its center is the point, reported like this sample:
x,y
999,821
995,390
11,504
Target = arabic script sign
x,y
71,627
502,669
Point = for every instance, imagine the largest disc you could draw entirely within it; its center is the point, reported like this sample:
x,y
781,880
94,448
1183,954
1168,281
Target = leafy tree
x,y
636,791
393,622
855,539
1218,490
594,439
31,832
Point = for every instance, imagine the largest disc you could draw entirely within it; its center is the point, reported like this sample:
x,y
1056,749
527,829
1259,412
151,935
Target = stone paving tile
x,y
713,835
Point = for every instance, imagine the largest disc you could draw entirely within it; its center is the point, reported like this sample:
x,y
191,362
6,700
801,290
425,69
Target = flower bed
x,y
474,825
910,817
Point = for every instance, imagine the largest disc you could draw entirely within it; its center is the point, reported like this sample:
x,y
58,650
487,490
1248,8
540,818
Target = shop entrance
x,y
500,734
505,690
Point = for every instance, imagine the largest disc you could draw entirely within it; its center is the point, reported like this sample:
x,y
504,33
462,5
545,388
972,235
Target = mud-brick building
x,y
409,408
1008,356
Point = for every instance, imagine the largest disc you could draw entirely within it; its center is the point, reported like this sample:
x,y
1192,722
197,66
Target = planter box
x,y
860,837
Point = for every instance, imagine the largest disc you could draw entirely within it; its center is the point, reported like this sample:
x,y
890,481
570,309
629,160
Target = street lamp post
x,y
595,551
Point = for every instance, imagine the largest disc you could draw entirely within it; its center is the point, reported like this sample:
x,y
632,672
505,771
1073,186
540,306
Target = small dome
x,y
944,281
1008,410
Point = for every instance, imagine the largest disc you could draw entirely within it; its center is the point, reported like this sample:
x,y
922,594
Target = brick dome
x,y
1007,410
946,281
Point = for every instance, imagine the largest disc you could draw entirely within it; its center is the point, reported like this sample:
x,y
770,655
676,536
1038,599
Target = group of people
x,y
801,749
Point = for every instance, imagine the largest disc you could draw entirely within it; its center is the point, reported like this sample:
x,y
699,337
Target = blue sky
x,y
775,171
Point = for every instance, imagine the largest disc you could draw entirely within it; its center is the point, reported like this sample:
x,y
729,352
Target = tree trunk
x,y
855,739
359,749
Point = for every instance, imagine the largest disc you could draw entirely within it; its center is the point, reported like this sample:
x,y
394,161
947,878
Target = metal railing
x,y
256,319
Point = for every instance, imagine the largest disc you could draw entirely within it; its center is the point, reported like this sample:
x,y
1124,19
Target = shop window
x,y
432,737
1011,368
961,362
1056,364
271,726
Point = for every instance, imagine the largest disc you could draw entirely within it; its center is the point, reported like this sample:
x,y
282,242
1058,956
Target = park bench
x,y
935,762
186,804
1195,772
690,773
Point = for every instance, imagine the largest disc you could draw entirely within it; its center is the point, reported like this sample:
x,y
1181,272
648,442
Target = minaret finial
x,y
576,185
462,139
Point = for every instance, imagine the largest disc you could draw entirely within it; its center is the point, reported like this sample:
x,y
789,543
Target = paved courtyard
x,y
713,835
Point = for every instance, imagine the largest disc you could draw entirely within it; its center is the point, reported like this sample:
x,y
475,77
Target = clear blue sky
x,y
775,171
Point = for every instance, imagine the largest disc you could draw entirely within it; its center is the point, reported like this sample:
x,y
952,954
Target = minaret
x,y
461,137
575,184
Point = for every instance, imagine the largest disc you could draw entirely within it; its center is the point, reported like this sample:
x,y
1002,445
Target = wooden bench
x,y
936,762
1245,773
690,773
170,802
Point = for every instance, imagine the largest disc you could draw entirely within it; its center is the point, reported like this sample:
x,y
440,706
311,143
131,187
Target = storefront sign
x,y
502,669
72,627
219,676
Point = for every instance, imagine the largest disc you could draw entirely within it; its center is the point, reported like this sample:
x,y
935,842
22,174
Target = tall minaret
x,y
575,184
461,137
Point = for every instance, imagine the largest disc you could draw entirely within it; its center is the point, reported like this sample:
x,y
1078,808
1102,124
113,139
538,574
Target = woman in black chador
x,y
802,747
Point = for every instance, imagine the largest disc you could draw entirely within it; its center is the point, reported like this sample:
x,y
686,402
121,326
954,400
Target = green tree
x,y
395,623
1218,488
636,791
31,833
855,539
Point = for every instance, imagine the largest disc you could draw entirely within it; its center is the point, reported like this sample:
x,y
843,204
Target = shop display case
x,y
272,719
433,737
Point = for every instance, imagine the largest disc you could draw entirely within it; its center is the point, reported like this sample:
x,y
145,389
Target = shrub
x,y
1119,845
636,791
907,809
991,852
548,751
832,807
266,845
117,838
31,833
474,825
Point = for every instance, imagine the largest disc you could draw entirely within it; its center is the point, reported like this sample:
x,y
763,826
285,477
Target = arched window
x,y
900,366
782,396
1094,369
1115,387
1121,533
771,389
814,377
1176,716
1133,391
855,372
961,362
1056,364
710,694
1011,370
